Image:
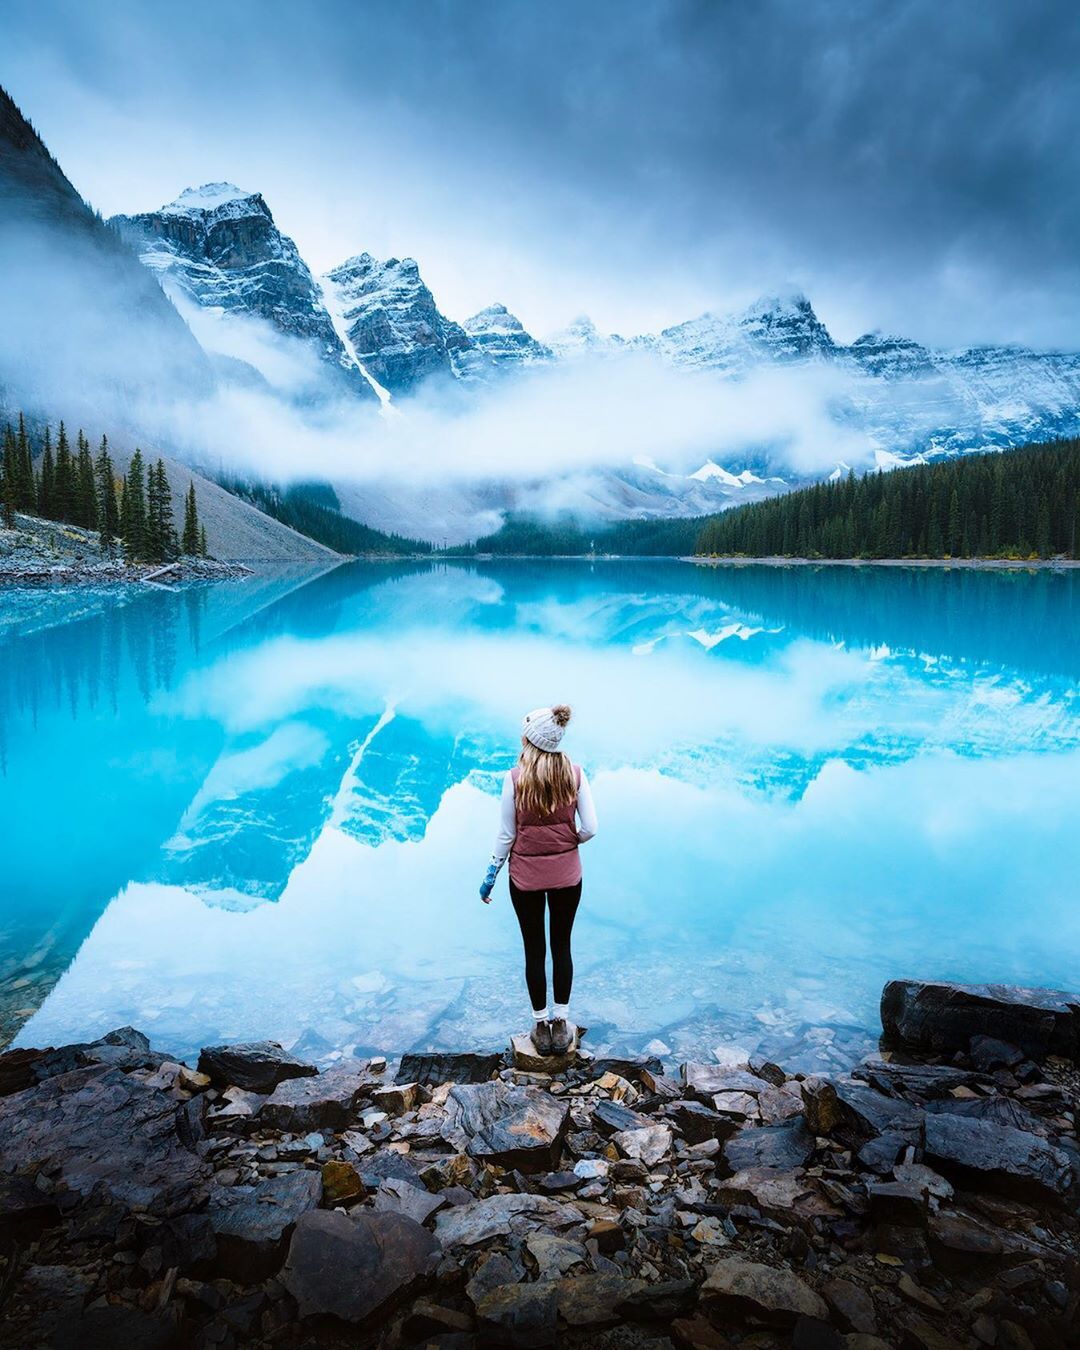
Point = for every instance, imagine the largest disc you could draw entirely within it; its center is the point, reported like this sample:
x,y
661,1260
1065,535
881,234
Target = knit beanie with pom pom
x,y
544,727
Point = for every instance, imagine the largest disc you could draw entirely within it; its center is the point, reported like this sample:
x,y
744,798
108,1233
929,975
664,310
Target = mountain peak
x,y
208,197
787,300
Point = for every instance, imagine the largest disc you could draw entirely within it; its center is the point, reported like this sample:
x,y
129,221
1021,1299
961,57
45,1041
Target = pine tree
x,y
133,524
161,539
64,490
9,484
190,538
107,513
46,480
26,494
204,552
86,496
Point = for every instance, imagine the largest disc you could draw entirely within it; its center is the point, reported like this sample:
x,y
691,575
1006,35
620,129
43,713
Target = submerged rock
x,y
257,1066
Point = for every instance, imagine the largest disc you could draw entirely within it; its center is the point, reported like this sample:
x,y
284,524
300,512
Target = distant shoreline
x,y
966,564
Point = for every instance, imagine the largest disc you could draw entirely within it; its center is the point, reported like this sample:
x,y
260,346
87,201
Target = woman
x,y
541,797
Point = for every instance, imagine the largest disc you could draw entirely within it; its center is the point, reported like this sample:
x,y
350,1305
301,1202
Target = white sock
x,y
541,1016
560,1010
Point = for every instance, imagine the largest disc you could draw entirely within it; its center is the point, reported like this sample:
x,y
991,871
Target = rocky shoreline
x,y
927,1200
47,553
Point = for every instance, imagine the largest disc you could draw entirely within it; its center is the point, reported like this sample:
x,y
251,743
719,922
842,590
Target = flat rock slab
x,y
705,1080
253,1223
98,1126
326,1101
256,1066
927,1082
525,1056
395,1196
775,1296
356,1267
499,1215
779,1146
1000,1157
610,1117
943,1016
431,1070
517,1127
785,1197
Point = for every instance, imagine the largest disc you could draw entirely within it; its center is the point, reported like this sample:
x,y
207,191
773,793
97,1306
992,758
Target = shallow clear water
x,y
262,809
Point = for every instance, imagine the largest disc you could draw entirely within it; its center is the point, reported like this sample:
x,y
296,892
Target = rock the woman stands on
x,y
546,813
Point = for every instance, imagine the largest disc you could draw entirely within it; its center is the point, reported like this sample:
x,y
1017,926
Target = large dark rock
x,y
24,1210
256,1066
524,1316
980,1153
253,1223
926,1082
431,1070
356,1268
99,1127
326,1101
779,1146
125,1049
697,1122
515,1127
834,1106
945,1017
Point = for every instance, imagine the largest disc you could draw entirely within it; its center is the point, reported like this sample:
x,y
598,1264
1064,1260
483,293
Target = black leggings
x,y
529,908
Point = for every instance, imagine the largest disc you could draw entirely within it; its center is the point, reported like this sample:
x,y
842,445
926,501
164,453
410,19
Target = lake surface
x,y
263,808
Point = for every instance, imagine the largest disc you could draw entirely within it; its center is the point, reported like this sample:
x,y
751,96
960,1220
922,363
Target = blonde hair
x,y
546,778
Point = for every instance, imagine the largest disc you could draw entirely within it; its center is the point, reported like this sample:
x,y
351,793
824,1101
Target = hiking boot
x,y
541,1038
562,1035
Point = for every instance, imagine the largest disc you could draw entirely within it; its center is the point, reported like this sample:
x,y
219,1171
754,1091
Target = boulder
x,y
253,1223
356,1268
594,1300
396,1098
775,1296
852,1110
980,1153
500,1215
778,1146
514,1127
99,1127
256,1066
431,1070
326,1101
945,1017
851,1305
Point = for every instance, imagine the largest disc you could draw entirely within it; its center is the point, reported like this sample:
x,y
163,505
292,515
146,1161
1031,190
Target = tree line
x,y
73,485
1022,503
565,535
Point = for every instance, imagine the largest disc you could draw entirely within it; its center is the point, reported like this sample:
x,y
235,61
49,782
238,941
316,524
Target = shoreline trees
x,y
134,510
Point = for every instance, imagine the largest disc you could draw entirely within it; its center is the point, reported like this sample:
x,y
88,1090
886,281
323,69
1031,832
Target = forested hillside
x,y
314,510
567,536
1016,504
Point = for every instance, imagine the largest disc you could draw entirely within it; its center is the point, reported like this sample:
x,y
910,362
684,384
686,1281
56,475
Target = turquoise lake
x,y
262,809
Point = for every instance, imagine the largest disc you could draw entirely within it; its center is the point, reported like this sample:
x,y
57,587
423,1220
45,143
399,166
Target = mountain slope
x,y
91,322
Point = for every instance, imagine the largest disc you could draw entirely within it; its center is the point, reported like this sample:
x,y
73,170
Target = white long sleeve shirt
x,y
504,842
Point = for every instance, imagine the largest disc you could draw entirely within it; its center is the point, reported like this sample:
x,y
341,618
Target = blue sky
x,y
912,166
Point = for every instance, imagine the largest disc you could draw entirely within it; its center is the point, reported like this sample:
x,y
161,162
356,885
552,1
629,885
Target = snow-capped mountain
x,y
501,338
218,247
581,337
393,324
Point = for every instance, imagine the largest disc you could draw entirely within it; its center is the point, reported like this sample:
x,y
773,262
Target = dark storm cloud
x,y
911,164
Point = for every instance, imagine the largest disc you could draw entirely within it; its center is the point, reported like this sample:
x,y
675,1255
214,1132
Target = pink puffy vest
x,y
544,856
